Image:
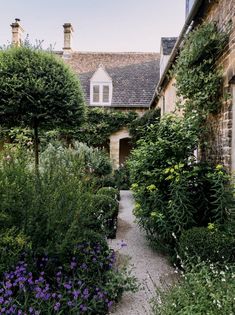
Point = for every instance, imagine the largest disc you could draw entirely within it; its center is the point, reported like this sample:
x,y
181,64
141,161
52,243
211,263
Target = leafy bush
x,y
206,244
105,181
12,245
122,178
38,91
109,191
55,228
54,200
139,126
172,191
67,289
101,214
204,290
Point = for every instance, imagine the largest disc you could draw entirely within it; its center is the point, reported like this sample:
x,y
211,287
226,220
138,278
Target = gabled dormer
x,y
101,88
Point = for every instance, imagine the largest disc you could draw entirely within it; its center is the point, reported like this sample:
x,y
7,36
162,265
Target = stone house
x,y
118,81
222,12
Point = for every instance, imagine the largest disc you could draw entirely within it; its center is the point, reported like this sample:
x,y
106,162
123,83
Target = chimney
x,y
68,30
17,31
167,45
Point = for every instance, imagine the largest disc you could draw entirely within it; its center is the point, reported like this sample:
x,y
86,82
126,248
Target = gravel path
x,y
151,269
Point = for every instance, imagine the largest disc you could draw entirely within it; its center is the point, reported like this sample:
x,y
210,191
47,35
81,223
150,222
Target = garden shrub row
x,y
206,289
54,227
185,202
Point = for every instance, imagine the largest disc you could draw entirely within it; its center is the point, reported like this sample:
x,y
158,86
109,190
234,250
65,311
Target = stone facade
x,y
222,125
223,13
115,140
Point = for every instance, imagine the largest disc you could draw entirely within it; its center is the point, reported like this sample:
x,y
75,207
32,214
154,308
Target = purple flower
x,y
76,294
73,265
57,306
8,284
84,266
123,244
67,286
83,308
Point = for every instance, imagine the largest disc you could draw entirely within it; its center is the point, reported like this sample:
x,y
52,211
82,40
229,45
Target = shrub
x,y
100,214
105,181
204,290
69,288
139,126
173,192
122,178
12,245
53,201
206,244
38,91
53,241
109,191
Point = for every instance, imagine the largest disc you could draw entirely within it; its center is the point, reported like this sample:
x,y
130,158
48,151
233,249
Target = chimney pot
x,y
17,31
68,32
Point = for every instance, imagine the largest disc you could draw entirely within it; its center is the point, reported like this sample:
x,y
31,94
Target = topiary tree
x,y
38,90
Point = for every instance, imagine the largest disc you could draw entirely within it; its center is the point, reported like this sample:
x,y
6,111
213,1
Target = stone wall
x,y
168,99
115,146
220,142
221,127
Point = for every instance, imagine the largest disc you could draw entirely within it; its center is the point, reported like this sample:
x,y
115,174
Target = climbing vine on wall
x,y
95,131
100,124
197,76
139,126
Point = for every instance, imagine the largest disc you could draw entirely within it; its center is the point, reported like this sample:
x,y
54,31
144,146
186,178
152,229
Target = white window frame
x,y
101,86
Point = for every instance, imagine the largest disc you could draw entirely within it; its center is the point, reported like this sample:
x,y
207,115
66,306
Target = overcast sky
x,y
100,25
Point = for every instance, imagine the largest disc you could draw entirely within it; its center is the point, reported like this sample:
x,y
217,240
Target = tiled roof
x,y
134,75
167,44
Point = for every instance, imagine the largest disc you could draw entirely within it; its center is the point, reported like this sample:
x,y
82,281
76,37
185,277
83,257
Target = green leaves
x,y
36,84
198,79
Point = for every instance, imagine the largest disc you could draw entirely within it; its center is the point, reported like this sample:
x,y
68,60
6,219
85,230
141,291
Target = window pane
x,y
105,94
96,93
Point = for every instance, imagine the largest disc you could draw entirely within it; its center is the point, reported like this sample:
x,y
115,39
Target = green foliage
x,y
167,143
53,234
173,192
100,214
204,290
100,124
37,87
12,245
197,78
109,191
139,126
54,200
38,91
206,244
122,178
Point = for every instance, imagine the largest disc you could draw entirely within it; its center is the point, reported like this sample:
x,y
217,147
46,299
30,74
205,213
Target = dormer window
x,y
101,88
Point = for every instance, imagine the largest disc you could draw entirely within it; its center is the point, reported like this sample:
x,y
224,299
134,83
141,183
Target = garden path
x,y
150,268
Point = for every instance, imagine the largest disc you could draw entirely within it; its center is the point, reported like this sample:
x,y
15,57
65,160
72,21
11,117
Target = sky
x,y
99,25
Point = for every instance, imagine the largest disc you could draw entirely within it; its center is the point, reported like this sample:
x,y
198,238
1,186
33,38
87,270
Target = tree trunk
x,y
36,144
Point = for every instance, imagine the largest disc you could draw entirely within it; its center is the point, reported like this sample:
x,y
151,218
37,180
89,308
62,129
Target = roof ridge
x,y
116,53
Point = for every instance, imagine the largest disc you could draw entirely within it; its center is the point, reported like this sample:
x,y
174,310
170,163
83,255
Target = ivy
x,y
197,75
100,124
141,125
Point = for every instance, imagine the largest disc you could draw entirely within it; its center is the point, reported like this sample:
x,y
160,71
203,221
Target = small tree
x,y
38,90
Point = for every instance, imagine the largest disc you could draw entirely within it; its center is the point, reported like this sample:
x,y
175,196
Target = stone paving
x,y
150,268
